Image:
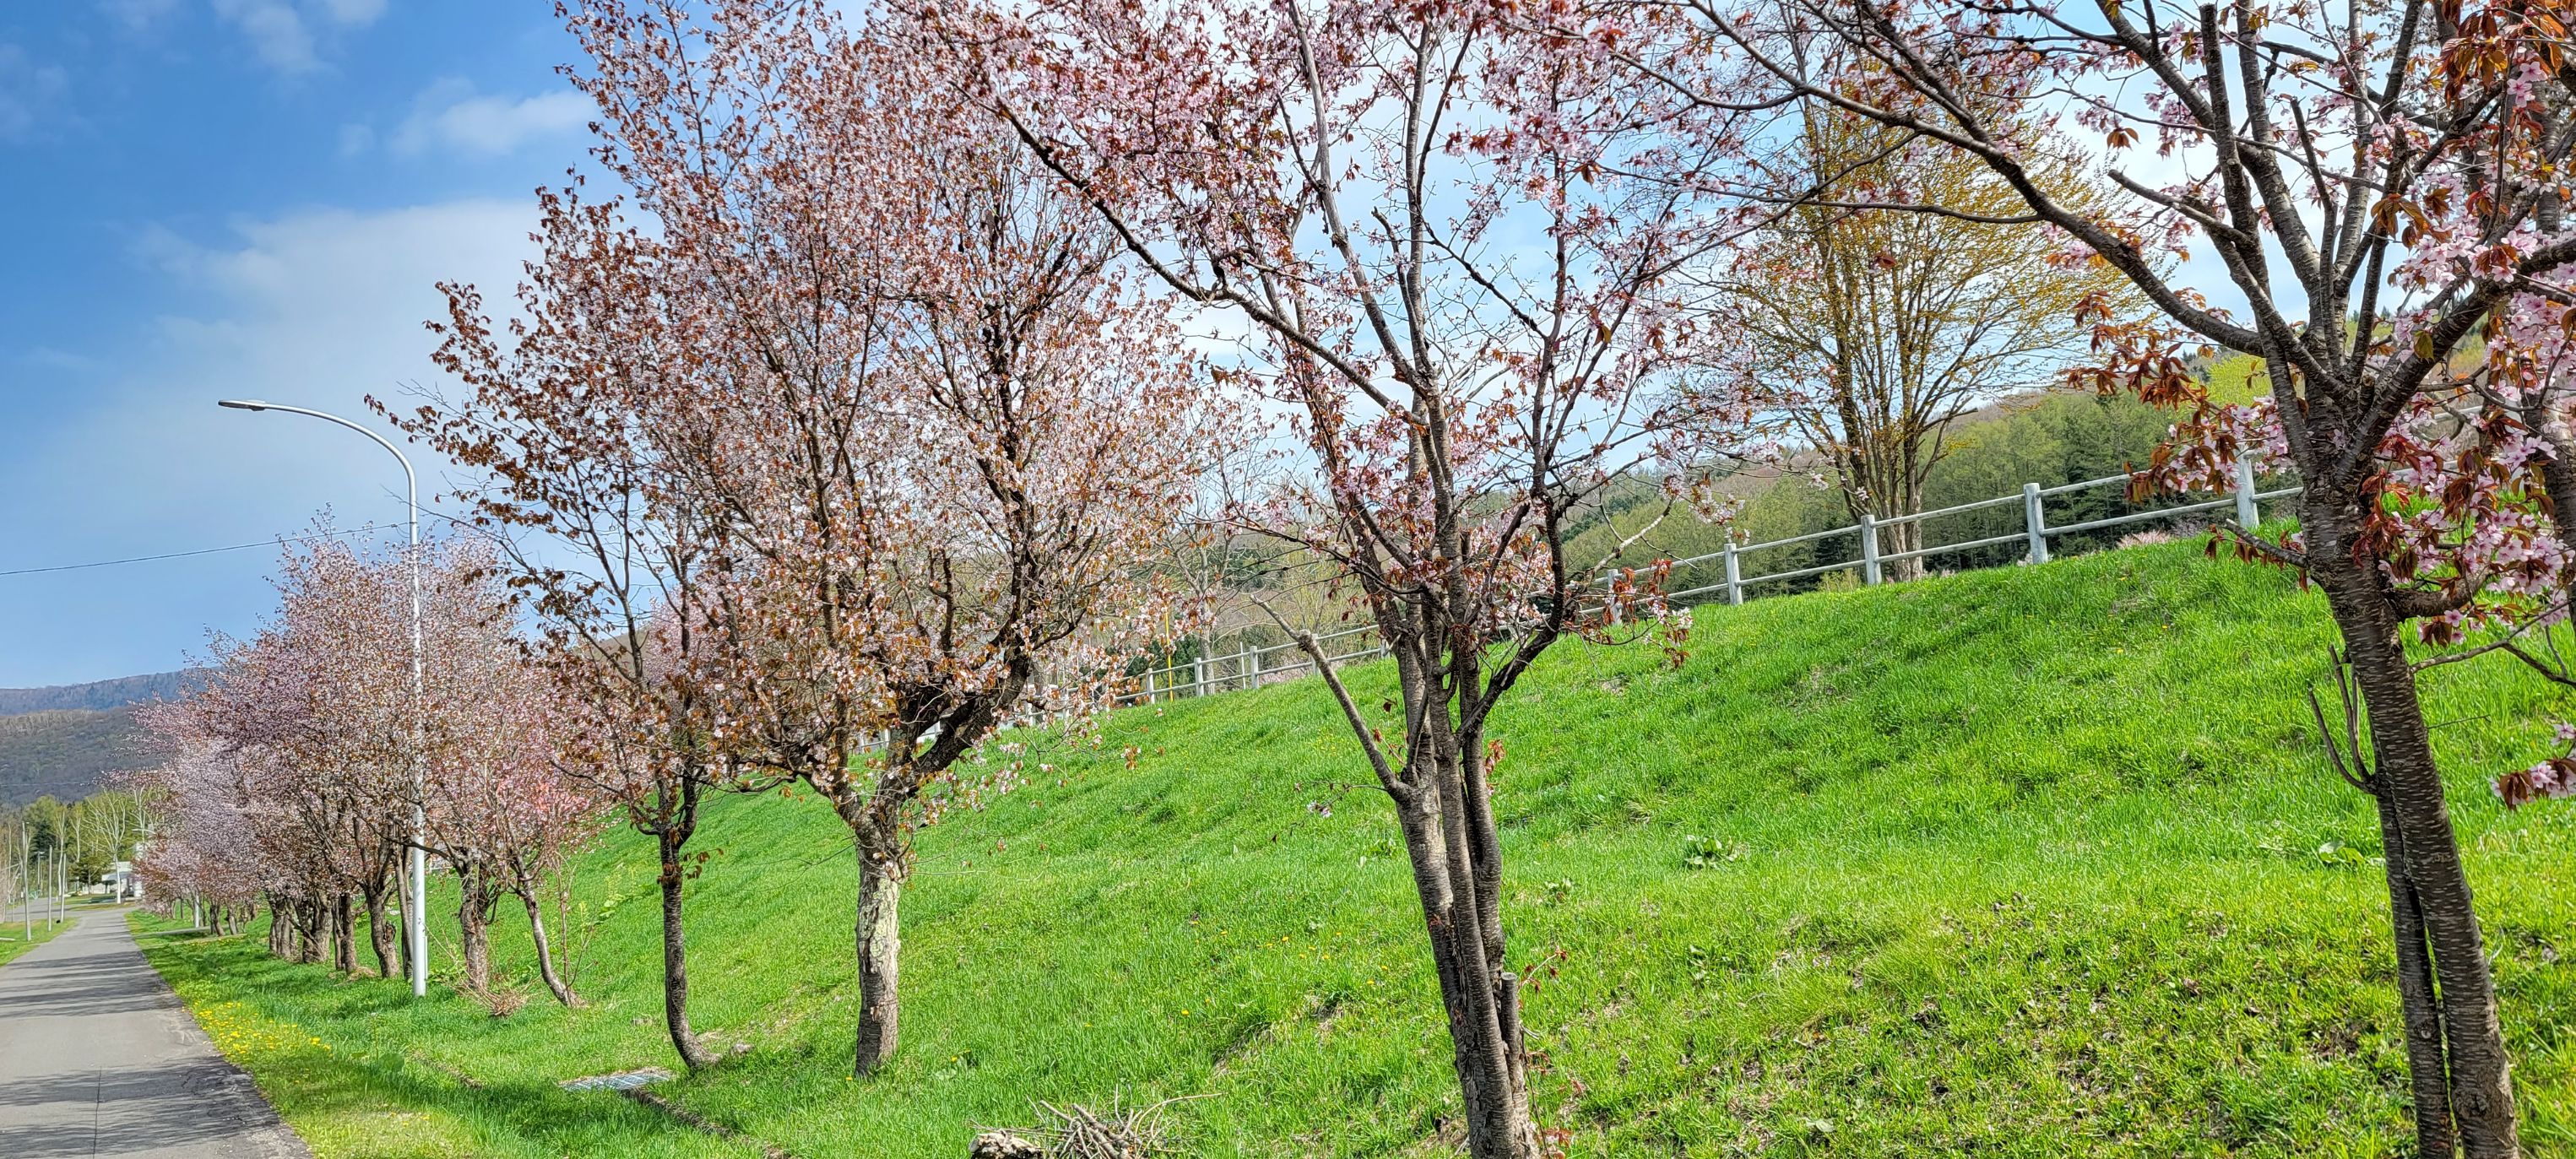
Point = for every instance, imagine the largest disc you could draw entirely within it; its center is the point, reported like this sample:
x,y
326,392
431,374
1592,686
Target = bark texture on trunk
x,y
344,935
1450,840
2422,1013
2452,1026
1900,538
281,930
476,897
402,904
675,956
879,933
311,947
545,952
380,933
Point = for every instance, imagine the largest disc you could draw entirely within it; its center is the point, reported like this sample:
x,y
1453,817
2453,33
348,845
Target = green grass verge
x,y
15,939
2028,862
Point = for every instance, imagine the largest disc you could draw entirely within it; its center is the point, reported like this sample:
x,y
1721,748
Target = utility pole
x,y
416,906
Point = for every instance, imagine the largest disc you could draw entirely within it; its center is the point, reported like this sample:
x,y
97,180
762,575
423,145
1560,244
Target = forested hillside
x,y
67,752
60,741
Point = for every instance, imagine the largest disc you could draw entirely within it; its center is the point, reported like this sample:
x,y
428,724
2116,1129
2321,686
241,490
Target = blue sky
x,y
225,198
212,198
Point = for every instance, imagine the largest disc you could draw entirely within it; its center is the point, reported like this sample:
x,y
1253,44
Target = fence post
x,y
1252,666
1198,669
1868,548
1734,576
2247,513
2034,522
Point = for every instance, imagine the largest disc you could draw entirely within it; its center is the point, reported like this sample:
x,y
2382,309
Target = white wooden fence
x,y
1255,666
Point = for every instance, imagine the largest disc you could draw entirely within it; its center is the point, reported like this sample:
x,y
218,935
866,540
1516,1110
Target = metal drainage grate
x,y
621,1081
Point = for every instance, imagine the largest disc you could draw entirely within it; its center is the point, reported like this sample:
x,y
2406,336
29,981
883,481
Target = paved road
x,y
97,1057
15,914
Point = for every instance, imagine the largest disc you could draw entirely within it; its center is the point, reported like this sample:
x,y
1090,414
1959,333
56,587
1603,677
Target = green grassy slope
x,y
18,937
2023,862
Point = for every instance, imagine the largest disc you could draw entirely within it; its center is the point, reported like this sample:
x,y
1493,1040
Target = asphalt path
x,y
98,1057
15,913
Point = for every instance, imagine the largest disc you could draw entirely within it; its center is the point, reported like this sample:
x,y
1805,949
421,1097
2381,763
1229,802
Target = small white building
x,y
121,881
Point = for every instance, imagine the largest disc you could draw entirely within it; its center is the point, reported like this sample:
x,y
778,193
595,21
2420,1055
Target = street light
x,y
415,907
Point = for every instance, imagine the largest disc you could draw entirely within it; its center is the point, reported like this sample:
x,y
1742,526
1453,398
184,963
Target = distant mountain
x,y
65,740
97,695
69,752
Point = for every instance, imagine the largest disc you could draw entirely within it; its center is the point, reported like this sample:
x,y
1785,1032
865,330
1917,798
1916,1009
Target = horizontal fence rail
x,y
1266,663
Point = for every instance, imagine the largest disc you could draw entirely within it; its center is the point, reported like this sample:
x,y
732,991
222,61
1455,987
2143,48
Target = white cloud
x,y
287,35
30,93
139,15
276,31
318,309
353,12
451,116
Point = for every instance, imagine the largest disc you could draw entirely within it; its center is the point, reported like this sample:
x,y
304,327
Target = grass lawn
x,y
15,939
2027,862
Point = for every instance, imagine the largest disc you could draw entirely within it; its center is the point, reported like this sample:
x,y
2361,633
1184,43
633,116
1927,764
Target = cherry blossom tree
x,y
292,756
1453,239
205,845
293,769
502,813
541,813
2383,188
919,441
574,414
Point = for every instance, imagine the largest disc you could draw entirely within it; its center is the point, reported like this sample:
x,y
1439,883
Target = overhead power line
x,y
279,541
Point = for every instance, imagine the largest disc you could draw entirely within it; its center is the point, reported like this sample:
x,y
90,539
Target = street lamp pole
x,y
415,907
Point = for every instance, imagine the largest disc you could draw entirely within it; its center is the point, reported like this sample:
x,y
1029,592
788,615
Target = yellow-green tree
x,y
1877,330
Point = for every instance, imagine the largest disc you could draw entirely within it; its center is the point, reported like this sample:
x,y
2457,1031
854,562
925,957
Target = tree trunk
x,y
545,952
2416,1001
310,945
344,940
880,942
474,929
2454,1027
1901,538
380,936
281,931
1456,876
675,958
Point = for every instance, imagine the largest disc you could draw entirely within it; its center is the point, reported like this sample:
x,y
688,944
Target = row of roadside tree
x,y
865,388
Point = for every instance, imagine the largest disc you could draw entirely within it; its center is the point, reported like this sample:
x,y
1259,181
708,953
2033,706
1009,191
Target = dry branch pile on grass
x,y
1075,1131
